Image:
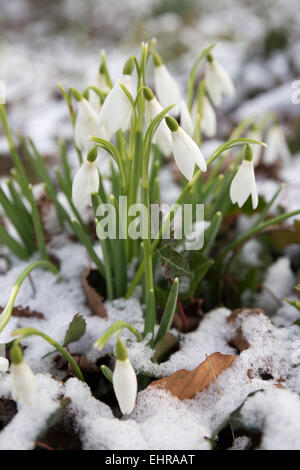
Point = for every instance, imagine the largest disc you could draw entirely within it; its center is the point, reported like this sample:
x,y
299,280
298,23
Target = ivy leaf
x,y
174,264
76,329
289,235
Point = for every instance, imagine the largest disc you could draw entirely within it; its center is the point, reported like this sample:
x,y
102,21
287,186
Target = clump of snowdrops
x,y
142,129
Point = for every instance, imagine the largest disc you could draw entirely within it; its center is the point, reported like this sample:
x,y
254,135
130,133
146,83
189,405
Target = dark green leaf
x,y
76,329
175,265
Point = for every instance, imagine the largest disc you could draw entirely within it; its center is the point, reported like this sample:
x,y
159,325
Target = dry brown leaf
x,y
239,341
25,312
93,298
184,384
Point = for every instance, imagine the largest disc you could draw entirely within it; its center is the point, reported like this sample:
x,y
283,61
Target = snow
x,y
159,420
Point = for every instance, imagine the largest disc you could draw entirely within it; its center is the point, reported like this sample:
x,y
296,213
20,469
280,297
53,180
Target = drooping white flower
x,y
116,112
218,82
277,149
85,183
186,151
4,364
243,184
162,136
209,119
124,380
86,125
185,119
22,382
101,84
166,87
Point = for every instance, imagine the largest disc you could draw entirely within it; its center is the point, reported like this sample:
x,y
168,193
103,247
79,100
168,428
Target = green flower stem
x,y
115,329
192,78
6,314
222,148
38,228
25,332
258,228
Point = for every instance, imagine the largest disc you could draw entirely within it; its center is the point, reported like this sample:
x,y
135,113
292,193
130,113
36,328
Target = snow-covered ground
x,y
36,52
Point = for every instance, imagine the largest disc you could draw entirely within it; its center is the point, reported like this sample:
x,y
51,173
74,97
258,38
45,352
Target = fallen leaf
x,y
239,342
25,312
93,298
184,384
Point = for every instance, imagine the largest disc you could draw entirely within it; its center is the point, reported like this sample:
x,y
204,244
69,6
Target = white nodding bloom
x,y
209,119
100,83
243,185
85,183
277,149
4,364
86,125
162,136
186,151
23,383
218,82
125,385
116,111
166,88
185,119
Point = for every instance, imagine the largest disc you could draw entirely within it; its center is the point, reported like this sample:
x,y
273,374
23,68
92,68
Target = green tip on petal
x,y
121,351
157,59
76,94
248,153
172,124
129,66
209,58
148,93
16,354
92,155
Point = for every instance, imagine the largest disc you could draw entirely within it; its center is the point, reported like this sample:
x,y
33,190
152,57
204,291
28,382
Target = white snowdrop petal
x,y
86,124
193,150
4,364
166,88
162,136
182,157
85,183
23,383
185,119
243,184
125,385
209,119
225,79
277,147
116,111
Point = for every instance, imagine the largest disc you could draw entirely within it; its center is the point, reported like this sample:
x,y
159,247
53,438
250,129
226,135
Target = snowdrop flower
x,y
277,147
243,184
4,364
185,119
162,136
166,88
186,151
101,84
86,182
22,377
86,123
218,82
116,111
124,380
209,119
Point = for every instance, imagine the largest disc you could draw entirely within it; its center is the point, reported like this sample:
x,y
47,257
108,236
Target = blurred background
x,y
46,42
